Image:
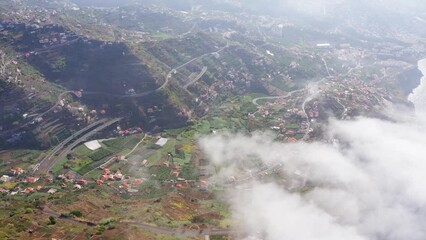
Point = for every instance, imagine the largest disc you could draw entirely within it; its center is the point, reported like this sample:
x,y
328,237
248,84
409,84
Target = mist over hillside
x,y
213,119
409,15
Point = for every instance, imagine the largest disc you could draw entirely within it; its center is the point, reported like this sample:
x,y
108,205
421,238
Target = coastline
x,y
410,80
418,95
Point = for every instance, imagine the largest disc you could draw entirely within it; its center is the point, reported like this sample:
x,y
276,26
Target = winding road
x,y
137,145
309,98
277,97
37,115
166,81
326,66
179,232
60,96
200,75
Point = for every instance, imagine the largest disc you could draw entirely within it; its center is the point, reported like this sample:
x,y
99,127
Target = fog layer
x,y
372,188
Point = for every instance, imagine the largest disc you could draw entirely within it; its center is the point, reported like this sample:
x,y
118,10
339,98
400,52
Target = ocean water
x,y
418,97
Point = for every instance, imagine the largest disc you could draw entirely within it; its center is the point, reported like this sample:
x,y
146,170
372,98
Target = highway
x,y
50,163
66,141
46,162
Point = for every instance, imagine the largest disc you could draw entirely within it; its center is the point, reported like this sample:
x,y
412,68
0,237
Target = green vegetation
x,y
77,164
152,189
76,213
121,143
219,237
26,155
184,158
85,169
37,195
162,152
161,36
82,150
189,172
160,173
59,165
52,220
292,126
285,85
100,154
106,224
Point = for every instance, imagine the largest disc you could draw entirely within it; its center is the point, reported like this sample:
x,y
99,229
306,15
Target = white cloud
x,y
372,187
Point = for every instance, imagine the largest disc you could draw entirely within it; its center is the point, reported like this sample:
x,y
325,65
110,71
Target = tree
x,y
76,213
52,220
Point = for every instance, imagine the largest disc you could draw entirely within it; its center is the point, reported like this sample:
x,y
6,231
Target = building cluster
x,y
127,132
39,37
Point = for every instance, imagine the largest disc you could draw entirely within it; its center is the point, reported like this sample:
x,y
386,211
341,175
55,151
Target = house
x,y
99,182
137,181
144,162
118,175
166,164
203,185
52,191
290,132
125,185
175,173
61,177
81,181
17,171
161,142
32,179
70,176
76,186
291,140
5,178
28,190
